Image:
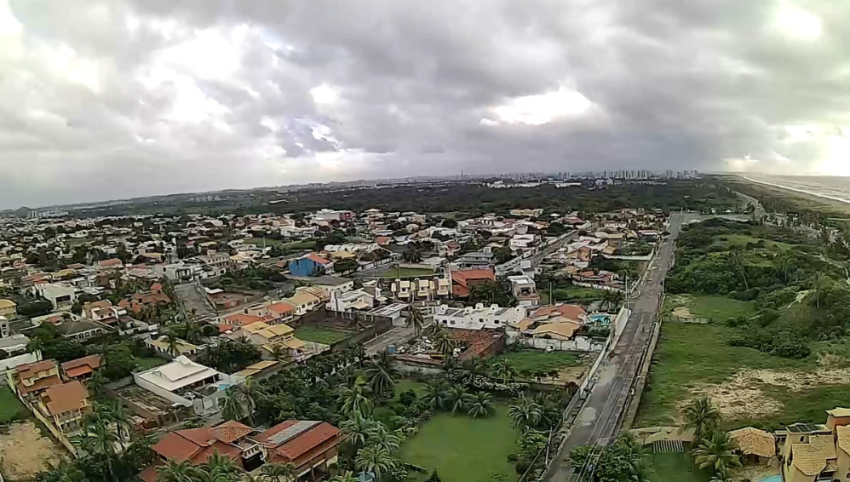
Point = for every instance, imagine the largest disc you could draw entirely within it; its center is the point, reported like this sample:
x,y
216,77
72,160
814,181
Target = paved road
x,y
599,420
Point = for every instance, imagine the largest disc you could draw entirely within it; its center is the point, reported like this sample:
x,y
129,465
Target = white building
x,y
524,289
356,300
492,317
186,383
522,241
61,296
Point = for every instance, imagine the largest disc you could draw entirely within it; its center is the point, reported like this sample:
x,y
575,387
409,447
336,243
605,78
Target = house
x,y
215,263
418,288
303,303
66,404
522,242
311,446
161,345
310,265
464,280
394,312
280,312
5,328
33,378
109,264
268,337
8,309
61,296
476,260
356,300
813,452
78,328
241,319
550,314
562,330
322,294
187,383
333,284
231,440
524,289
755,445
81,368
479,317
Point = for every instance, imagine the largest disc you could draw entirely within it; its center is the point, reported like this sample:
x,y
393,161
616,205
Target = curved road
x,y
600,418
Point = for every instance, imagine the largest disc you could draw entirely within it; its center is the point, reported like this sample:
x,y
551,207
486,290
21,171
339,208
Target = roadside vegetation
x,y
756,319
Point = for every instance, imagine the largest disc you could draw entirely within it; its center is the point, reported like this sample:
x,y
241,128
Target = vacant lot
x,y
24,452
148,362
717,308
320,334
572,294
741,240
750,387
11,408
674,467
535,361
465,450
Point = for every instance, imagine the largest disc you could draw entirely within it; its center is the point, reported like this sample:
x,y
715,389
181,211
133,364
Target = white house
x,y
186,383
61,296
521,242
492,317
351,301
525,290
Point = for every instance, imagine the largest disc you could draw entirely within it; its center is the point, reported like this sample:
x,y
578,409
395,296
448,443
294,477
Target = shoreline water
x,y
801,191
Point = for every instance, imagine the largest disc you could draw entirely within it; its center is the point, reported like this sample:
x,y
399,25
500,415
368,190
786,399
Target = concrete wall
x,y
12,362
581,343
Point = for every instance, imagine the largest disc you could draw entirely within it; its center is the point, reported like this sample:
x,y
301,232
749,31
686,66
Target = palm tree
x,y
277,472
456,398
411,255
99,441
444,342
504,370
120,416
435,396
219,464
702,416
380,436
175,472
278,352
348,476
615,298
232,408
417,320
374,459
525,412
356,429
354,400
172,343
819,282
480,405
474,368
66,471
248,394
379,374
717,452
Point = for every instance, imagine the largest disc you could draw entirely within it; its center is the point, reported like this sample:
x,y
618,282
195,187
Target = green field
x,y
407,272
717,308
740,240
674,467
11,408
148,362
320,334
538,360
464,450
404,385
572,294
689,356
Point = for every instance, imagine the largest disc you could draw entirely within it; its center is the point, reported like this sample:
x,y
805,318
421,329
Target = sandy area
x,y
754,472
682,312
24,452
742,396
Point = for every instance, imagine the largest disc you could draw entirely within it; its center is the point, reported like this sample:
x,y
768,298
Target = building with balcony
x,y
187,383
479,317
31,379
66,404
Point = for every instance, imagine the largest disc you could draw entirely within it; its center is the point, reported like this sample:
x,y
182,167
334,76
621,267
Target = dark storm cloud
x,y
130,97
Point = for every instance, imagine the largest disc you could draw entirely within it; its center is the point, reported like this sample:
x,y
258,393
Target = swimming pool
x,y
772,478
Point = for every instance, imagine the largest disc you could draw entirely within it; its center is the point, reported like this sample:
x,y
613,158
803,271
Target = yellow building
x,y
269,336
814,453
9,309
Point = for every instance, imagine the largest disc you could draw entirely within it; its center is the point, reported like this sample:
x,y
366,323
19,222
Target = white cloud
x,y
543,108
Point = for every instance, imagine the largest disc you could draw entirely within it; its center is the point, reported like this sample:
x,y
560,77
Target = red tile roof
x,y
316,258
281,308
318,436
197,444
383,240
240,319
461,280
81,366
65,398
41,384
231,431
571,312
30,369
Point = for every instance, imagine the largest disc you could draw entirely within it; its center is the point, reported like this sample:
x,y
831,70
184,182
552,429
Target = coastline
x,y
800,191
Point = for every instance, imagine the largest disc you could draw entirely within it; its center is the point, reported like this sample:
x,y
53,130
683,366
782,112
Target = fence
x,y
580,343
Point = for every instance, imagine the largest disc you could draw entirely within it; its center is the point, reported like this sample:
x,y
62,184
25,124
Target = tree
x,y
480,405
348,476
66,471
172,343
435,395
379,374
346,265
354,400
702,416
474,367
718,453
417,320
456,398
449,223
231,407
380,436
525,412
443,341
280,472
175,472
376,460
412,255
737,262
99,441
356,429
219,464
504,370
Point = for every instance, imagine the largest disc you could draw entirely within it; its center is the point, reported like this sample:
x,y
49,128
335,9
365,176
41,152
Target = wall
x,y
620,322
12,362
408,365
581,343
596,286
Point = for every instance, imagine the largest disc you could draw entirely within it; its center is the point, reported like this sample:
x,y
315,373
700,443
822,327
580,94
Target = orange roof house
x,y
196,445
241,319
33,378
464,280
571,312
302,443
68,397
81,368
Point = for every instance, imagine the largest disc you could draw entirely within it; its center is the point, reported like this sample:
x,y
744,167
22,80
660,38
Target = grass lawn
x,y
539,360
692,355
404,385
674,467
148,362
717,308
407,272
572,293
320,334
464,450
741,240
11,408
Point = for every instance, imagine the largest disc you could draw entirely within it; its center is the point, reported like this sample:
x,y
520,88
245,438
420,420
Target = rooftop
x,y
66,397
180,373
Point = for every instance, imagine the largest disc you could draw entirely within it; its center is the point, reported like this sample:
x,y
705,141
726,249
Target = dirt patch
x,y
756,471
682,312
24,452
572,374
741,396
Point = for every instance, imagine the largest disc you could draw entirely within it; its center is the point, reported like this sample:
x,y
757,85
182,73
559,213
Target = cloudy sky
x,y
103,99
